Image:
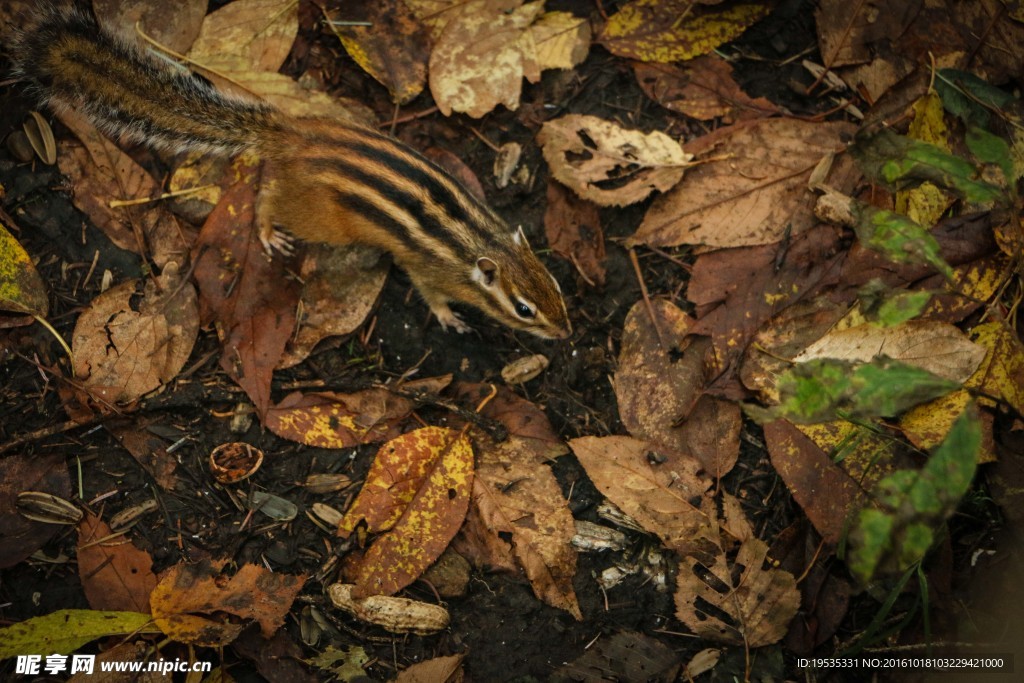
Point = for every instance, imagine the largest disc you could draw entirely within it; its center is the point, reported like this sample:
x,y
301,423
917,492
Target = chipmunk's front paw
x,y
448,319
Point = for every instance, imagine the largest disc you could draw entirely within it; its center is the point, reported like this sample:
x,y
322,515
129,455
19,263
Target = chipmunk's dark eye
x,y
523,310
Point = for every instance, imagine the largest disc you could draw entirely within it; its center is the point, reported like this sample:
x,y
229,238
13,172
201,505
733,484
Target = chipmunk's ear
x,y
519,237
485,271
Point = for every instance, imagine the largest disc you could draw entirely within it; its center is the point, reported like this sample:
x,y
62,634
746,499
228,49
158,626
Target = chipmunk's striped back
x,y
332,182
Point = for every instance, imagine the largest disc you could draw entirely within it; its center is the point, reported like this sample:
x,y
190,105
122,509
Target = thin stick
x,y
647,298
117,203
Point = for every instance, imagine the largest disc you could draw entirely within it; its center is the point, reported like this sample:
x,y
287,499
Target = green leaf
x,y
912,504
969,97
900,162
66,630
899,238
991,149
826,389
901,307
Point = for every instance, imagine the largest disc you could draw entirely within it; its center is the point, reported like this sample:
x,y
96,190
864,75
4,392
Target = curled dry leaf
x,y
734,575
101,173
755,188
135,337
234,461
339,288
610,165
521,502
657,386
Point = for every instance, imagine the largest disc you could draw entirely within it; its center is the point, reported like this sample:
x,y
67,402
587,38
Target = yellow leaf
x,y
423,527
1002,372
560,40
66,630
926,203
673,30
21,288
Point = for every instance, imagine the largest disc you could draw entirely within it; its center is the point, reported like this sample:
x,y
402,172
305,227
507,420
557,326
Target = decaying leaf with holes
x,y
610,165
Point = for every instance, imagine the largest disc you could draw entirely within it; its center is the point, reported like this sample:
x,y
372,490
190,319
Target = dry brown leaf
x,y
753,191
176,27
521,417
828,495
333,420
251,298
101,173
148,449
561,40
436,670
657,386
711,433
847,30
625,656
938,347
20,536
189,602
393,48
573,228
520,500
660,489
702,88
436,14
737,291
824,594
741,582
610,165
247,35
783,337
339,288
480,57
136,337
115,575
422,480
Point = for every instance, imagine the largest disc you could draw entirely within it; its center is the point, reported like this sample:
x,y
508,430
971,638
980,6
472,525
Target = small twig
x,y
647,298
117,203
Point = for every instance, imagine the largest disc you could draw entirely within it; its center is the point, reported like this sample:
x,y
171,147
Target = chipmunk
x,y
337,182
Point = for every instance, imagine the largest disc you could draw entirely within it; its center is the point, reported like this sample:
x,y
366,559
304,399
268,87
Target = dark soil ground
x,y
507,632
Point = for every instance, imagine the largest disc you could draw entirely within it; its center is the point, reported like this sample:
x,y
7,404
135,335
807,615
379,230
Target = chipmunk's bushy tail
x,y
73,64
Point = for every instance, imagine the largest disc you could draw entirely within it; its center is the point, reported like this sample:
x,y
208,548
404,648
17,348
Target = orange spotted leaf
x,y
418,489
